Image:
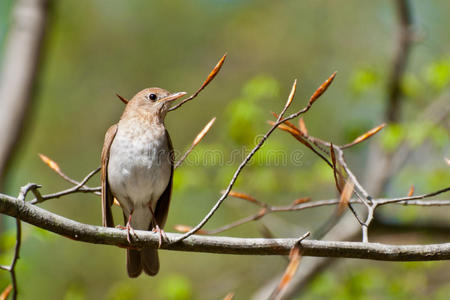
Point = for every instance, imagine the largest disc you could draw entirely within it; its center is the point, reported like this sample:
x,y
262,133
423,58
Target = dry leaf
x,y
208,79
301,200
338,178
302,126
366,135
294,262
50,163
243,196
185,228
4,295
322,88
291,94
346,194
213,72
411,191
204,131
229,296
286,123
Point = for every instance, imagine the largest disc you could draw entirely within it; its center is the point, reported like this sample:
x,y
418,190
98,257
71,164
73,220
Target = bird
x,y
137,169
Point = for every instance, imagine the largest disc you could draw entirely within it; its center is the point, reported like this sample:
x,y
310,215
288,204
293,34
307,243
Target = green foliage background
x,y
97,48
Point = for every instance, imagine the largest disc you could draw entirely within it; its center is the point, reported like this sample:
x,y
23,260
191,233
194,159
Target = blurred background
x,y
94,49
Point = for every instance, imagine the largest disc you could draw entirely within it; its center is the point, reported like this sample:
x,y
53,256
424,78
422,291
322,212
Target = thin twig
x,y
408,200
80,187
205,83
247,159
268,209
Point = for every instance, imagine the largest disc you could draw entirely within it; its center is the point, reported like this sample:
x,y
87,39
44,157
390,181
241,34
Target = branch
x,y
280,120
18,74
79,187
405,39
214,244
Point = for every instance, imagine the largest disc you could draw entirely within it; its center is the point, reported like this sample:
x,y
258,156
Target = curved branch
x,y
214,244
18,73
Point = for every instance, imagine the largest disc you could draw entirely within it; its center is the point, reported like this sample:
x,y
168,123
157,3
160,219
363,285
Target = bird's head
x,y
154,101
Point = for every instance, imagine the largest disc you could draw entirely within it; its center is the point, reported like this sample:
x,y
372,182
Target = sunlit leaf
x,y
438,74
363,79
242,196
302,126
229,296
203,132
301,200
346,195
261,86
294,262
50,163
392,137
411,191
5,293
185,228
175,287
322,88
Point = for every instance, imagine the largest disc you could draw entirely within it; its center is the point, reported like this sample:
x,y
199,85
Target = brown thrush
x,y
137,170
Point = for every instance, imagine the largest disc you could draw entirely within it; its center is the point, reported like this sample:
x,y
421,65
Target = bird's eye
x,y
152,97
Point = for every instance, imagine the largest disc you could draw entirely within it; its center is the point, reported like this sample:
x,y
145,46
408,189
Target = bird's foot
x,y
130,231
162,235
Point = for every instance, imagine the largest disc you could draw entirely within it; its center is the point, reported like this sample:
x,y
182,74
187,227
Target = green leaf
x,y
244,118
122,290
261,86
75,292
412,86
175,287
438,74
362,80
394,134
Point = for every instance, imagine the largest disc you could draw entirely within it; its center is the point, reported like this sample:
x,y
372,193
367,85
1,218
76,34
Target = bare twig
x,y
268,209
408,200
79,187
279,121
19,203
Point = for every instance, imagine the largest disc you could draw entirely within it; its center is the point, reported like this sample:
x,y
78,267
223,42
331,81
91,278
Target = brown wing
x,y
162,206
107,196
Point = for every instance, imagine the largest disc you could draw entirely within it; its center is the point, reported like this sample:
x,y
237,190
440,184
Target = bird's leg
x,y
157,229
128,227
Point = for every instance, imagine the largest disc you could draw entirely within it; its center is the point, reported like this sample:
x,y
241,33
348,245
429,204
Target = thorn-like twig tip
x,y
122,99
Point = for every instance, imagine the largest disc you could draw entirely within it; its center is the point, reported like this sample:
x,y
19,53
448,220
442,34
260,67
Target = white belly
x,y
139,171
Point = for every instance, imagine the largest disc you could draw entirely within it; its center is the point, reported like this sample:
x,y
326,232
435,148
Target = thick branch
x,y
405,39
18,74
214,244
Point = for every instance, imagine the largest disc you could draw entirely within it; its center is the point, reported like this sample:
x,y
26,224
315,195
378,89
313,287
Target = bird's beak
x,y
173,97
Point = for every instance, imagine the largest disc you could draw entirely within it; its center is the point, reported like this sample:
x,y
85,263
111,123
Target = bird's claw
x,y
162,235
130,231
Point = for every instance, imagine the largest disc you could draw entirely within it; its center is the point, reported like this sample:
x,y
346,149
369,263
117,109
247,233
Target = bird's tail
x,y
144,259
150,261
